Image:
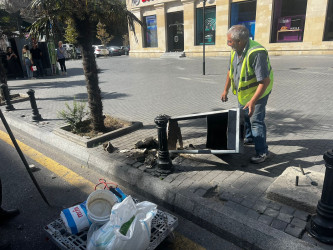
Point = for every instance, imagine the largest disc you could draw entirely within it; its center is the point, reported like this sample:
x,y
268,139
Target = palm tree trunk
x,y
84,29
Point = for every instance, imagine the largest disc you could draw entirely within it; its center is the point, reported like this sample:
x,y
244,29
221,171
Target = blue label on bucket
x,y
75,218
123,196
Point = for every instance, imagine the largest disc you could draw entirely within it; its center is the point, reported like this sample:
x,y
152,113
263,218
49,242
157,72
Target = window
x,y
289,19
244,13
328,35
210,26
150,38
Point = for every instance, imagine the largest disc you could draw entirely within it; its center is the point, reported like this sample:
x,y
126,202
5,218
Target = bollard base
x,y
320,229
164,167
37,118
9,107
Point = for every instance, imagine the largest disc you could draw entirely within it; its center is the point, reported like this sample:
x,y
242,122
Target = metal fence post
x,y
35,113
5,92
321,224
164,162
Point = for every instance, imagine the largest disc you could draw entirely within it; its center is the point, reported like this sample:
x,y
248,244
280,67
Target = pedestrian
x,y
27,61
37,57
250,76
61,51
13,67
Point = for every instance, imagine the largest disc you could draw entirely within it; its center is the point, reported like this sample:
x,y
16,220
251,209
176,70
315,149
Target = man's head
x,y
60,43
238,36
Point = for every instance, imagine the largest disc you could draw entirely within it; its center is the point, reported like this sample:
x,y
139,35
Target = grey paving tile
x,y
252,214
285,217
237,207
248,203
265,219
287,210
298,222
294,231
274,206
271,212
260,207
301,215
278,224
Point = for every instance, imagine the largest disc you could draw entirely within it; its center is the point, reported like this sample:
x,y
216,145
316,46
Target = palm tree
x,y
85,14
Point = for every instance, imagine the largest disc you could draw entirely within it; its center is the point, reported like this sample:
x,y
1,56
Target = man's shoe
x,y
259,158
8,214
248,141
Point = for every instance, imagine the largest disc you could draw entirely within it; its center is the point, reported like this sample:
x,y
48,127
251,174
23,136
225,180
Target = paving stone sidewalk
x,y
299,125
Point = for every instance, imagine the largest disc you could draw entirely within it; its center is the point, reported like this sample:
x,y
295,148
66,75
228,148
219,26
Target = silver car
x,y
100,50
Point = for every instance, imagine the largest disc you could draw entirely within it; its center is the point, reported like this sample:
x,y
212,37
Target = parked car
x,y
100,50
78,53
125,50
114,50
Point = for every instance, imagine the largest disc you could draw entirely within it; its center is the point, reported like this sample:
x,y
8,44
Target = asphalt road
x,y
26,231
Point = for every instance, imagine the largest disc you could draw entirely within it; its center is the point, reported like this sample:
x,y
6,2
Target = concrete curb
x,y
221,220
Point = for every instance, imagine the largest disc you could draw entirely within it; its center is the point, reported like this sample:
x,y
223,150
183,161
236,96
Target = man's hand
x,y
251,106
224,96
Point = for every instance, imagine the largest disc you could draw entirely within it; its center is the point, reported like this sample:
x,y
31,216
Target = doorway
x,y
175,31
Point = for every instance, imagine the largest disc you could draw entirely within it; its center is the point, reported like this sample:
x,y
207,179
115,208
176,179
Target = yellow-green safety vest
x,y
247,81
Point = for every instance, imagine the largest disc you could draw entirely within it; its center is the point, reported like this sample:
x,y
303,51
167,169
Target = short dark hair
x,y
239,32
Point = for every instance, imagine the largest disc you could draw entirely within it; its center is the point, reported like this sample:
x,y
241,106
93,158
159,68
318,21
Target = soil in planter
x,y
110,124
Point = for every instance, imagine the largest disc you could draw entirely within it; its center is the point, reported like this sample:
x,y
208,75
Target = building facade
x,y
284,27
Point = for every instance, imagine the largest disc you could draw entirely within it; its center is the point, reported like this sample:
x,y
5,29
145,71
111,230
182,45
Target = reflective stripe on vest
x,y
247,81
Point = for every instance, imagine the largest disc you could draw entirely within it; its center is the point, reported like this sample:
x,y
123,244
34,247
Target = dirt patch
x,y
110,123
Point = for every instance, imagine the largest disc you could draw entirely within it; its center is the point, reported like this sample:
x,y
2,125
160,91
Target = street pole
x,y
203,38
164,163
321,224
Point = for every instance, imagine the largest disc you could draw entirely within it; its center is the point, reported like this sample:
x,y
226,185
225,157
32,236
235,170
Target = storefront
x,y
244,12
289,20
282,26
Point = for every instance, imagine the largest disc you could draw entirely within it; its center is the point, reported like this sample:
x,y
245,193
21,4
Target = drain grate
x,y
296,68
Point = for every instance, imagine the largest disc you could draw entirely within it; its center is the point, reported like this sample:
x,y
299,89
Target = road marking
x,y
55,167
80,182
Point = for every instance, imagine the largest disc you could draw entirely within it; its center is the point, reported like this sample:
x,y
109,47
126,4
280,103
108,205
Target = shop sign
x,y
137,2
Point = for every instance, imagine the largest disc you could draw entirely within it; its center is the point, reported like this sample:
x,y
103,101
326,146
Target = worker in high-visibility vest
x,y
250,77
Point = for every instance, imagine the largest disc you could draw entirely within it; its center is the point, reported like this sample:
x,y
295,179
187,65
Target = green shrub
x,y
74,115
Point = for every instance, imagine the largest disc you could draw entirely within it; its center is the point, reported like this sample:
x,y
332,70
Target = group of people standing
x,y
32,60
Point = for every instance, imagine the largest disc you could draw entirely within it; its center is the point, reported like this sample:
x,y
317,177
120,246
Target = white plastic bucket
x,y
99,206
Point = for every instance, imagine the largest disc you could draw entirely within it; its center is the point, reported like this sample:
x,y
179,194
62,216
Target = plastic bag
x,y
138,235
33,68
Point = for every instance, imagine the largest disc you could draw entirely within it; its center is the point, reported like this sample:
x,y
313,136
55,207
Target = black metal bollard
x,y
35,113
164,162
5,92
321,224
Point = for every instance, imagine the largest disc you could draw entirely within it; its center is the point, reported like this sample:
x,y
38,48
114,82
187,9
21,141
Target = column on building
x,y
263,21
315,21
161,21
136,39
222,24
189,17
